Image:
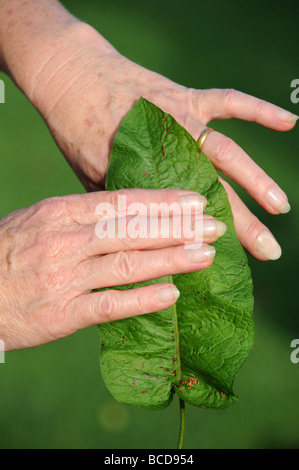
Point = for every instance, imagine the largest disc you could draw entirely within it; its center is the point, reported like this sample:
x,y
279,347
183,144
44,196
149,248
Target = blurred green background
x,y
53,396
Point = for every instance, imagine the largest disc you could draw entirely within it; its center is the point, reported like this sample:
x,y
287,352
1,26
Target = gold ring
x,y
203,136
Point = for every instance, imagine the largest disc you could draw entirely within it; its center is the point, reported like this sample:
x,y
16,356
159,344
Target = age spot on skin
x,y
88,122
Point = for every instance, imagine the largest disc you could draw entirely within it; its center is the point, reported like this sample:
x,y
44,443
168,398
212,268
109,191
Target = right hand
x,y
51,260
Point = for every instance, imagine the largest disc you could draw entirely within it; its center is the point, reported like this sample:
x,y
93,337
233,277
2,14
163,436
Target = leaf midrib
x,y
176,324
177,341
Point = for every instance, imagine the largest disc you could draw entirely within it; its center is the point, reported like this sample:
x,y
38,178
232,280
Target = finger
x,y
229,158
127,267
230,103
143,233
101,307
253,235
89,208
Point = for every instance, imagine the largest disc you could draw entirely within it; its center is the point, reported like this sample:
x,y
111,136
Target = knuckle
x,y
50,208
195,106
260,107
229,96
253,228
171,261
259,182
114,200
107,306
139,301
126,265
224,151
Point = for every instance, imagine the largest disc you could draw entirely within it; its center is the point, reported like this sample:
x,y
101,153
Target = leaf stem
x,y
182,424
177,340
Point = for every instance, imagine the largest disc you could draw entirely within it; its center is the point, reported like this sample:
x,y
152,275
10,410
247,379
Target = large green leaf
x,y
209,332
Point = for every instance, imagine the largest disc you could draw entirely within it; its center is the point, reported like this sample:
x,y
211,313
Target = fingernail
x,y
167,294
211,228
278,201
286,116
193,203
196,252
267,246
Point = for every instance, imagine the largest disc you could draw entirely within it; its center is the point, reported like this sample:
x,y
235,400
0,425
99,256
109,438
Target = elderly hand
x,y
52,255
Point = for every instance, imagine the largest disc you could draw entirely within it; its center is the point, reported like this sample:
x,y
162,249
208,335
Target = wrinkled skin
x,y
83,88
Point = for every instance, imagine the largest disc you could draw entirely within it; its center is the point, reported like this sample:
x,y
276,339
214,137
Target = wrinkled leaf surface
x,y
208,333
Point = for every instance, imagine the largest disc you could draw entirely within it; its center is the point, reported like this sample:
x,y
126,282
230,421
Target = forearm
x,y
30,32
34,38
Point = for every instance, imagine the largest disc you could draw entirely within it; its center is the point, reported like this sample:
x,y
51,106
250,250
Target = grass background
x,y
53,396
